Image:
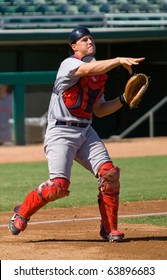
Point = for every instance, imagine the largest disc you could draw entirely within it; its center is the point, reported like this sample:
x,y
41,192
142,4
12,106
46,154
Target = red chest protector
x,y
79,99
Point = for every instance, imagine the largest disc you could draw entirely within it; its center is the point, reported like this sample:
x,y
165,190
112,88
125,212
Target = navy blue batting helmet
x,y
78,33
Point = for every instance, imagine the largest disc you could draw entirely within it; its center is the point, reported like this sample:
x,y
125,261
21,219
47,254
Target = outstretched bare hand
x,y
127,62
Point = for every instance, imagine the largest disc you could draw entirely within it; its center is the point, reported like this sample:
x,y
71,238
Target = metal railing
x,y
136,20
99,20
50,21
149,115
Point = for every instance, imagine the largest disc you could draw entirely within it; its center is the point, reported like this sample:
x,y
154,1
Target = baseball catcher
x,y
78,93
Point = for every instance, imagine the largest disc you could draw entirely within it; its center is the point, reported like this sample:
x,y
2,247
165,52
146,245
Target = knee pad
x,y
54,189
108,177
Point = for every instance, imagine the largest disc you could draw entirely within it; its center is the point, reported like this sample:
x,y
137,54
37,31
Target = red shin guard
x,y
108,207
108,198
48,191
32,203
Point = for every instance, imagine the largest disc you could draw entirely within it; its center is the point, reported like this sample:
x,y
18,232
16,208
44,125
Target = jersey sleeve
x,y
69,66
66,74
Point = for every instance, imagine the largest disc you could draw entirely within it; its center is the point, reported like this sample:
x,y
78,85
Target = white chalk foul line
x,y
91,219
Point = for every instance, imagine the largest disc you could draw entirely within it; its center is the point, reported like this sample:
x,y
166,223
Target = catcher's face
x,y
84,46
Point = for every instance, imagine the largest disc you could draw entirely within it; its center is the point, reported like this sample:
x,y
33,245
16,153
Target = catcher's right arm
x,y
135,88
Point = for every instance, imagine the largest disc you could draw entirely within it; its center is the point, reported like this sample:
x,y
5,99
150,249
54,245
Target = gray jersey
x,y
64,143
65,79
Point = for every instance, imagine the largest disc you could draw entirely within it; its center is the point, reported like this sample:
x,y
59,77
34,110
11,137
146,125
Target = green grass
x,y
152,220
142,178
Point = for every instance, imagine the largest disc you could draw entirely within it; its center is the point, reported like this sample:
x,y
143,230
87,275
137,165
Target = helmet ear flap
x,y
78,33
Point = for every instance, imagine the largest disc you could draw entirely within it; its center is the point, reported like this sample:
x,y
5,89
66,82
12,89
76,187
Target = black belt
x,y
72,124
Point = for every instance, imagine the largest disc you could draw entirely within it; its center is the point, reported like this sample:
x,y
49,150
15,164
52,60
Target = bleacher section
x,y
32,14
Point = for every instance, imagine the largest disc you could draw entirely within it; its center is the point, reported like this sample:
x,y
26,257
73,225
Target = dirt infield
x,y
62,234
120,148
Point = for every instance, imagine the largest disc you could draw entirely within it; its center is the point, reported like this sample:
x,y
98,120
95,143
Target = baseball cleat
x,y
114,236
17,224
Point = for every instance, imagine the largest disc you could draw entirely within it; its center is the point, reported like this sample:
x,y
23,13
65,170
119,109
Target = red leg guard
x,y
48,191
108,198
108,206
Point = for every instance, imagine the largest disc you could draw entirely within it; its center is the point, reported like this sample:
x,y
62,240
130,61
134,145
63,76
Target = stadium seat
x,y
3,9
124,7
41,8
72,2
106,8
117,2
77,7
154,8
94,2
163,7
11,10
144,7
31,10
63,8
17,2
39,2
134,9
85,8
82,2
73,9
51,9
21,8
30,2
95,9
58,2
